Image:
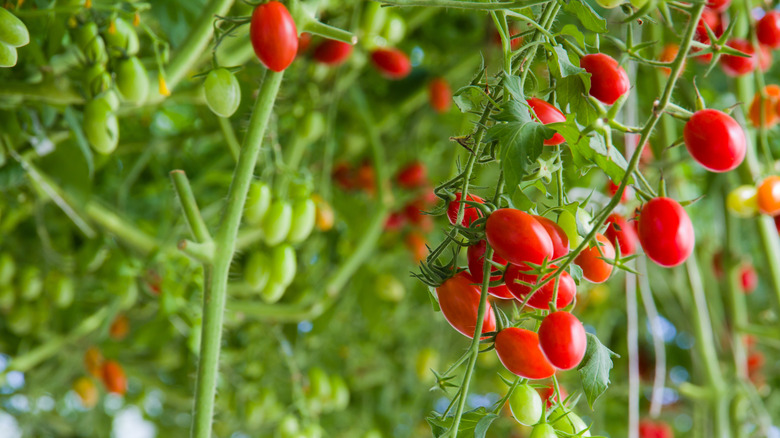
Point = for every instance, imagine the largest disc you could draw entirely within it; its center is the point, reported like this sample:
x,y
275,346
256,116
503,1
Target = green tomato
x,y
284,265
30,283
609,4
223,94
395,29
570,423
288,427
97,79
743,201
22,320
374,17
526,405
568,223
123,37
7,297
313,126
389,288
12,31
7,269
8,56
95,51
319,385
83,35
312,431
273,292
299,189
276,224
127,289
339,392
100,126
132,82
257,202
427,360
304,213
61,288
543,430
257,270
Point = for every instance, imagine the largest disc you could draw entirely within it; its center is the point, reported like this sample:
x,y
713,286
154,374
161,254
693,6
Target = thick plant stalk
x,y
214,295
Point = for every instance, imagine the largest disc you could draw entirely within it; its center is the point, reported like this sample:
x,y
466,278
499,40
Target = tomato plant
x,y
518,349
517,237
666,232
274,35
459,302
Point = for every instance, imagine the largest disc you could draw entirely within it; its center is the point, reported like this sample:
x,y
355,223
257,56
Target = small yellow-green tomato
x,y
288,427
132,80
743,201
100,124
122,36
22,320
389,288
312,431
570,423
427,360
257,270
543,430
284,264
30,283
60,287
276,223
7,297
394,29
304,213
339,392
526,405
257,203
319,385
223,93
273,292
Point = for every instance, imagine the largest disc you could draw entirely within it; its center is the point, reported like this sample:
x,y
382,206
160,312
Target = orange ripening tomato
x,y
113,377
440,95
594,268
93,361
771,103
416,244
119,328
769,196
518,350
87,392
459,302
668,54
324,216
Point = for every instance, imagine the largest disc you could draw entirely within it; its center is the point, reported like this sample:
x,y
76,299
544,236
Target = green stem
x,y
190,206
47,92
456,4
736,300
230,136
705,342
214,295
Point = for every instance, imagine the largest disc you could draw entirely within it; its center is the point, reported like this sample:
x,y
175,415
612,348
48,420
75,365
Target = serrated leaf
x,y
468,423
572,96
521,144
592,149
560,64
469,98
587,16
594,369
514,87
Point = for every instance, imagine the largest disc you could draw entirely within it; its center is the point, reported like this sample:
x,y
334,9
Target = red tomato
x,y
764,58
416,244
332,52
412,176
304,40
755,361
518,350
414,213
343,175
365,178
769,196
114,377
562,339
119,328
392,63
768,29
621,234
518,237
717,264
748,278
459,302
549,396
273,35
612,188
706,58
513,31
558,237
777,224
476,260
711,19
470,214
771,103
440,95
608,80
650,429
541,298
715,140
718,5
594,268
395,221
547,113
666,232
736,65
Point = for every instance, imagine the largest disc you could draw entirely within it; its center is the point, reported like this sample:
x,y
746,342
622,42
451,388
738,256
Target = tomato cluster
x,y
109,372
747,201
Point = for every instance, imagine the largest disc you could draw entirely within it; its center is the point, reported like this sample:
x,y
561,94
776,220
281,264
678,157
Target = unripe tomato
x,y
272,292
391,63
132,81
319,384
12,31
770,104
768,29
734,65
769,196
608,80
394,29
84,34
95,51
666,232
389,288
562,339
7,269
542,298
748,278
332,52
459,303
60,288
518,237
718,5
440,95
258,201
93,361
304,213
273,35
743,201
30,283
558,237
339,392
546,113
114,377
476,261
543,430
621,234
87,392
311,431
97,80
518,350
284,263
470,214
374,18
427,360
288,427
223,94
8,55
412,176
257,270
122,36
21,321
526,405
715,140
119,328
100,125
569,423
324,216
276,223
594,268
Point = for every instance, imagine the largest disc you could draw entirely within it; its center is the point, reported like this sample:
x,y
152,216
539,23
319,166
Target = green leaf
x,y
572,97
514,87
594,369
469,98
576,273
560,64
574,32
483,425
587,16
591,149
471,423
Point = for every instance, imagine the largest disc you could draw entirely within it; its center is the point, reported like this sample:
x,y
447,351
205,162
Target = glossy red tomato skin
x,y
736,65
562,339
440,95
476,260
612,189
768,29
273,35
542,297
594,268
518,237
391,63
748,279
459,302
621,234
666,232
558,237
718,5
650,429
470,214
518,350
332,52
608,79
304,40
715,140
113,377
547,113
413,175
711,19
